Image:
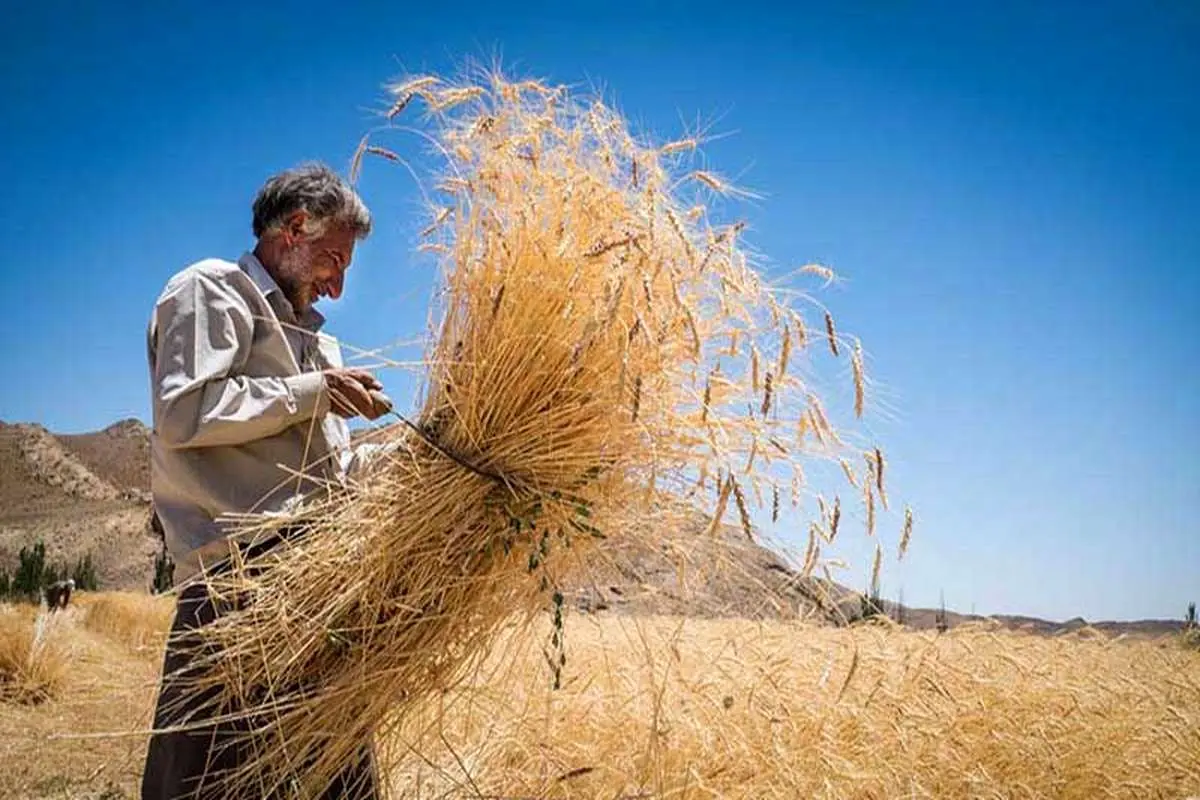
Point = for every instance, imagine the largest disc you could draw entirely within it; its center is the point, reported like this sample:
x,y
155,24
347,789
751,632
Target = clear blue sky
x,y
1012,189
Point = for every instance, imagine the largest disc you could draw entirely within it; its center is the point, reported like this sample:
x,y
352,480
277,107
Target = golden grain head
x,y
906,532
848,471
876,565
821,271
835,518
831,333
678,146
856,360
870,505
785,349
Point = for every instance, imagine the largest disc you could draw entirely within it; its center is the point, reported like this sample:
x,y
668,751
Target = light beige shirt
x,y
241,418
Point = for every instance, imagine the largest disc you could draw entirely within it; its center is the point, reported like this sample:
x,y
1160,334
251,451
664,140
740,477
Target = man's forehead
x,y
339,236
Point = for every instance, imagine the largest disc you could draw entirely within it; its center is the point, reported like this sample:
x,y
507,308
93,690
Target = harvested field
x,y
686,708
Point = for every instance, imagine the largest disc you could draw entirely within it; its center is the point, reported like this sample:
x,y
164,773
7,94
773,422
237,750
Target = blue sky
x,y
1011,190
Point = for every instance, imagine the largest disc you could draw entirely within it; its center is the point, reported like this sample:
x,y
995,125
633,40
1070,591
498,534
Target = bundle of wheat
x,y
602,358
34,656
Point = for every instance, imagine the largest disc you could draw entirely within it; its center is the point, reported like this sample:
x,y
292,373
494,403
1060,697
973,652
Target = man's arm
x,y
203,331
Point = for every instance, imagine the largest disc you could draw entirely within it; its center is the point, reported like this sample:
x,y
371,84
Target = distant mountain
x,y
80,494
119,454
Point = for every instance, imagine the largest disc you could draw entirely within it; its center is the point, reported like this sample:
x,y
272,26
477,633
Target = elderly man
x,y
250,403
58,594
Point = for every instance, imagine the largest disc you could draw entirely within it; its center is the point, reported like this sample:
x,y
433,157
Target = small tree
x,y
164,573
942,623
31,571
54,573
5,584
84,574
900,615
1189,622
871,604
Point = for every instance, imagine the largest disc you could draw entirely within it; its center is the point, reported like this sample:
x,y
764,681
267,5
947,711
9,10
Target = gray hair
x,y
316,189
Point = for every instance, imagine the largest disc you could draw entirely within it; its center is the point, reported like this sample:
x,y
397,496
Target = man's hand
x,y
350,393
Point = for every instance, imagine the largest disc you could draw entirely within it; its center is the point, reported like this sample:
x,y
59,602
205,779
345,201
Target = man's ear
x,y
293,228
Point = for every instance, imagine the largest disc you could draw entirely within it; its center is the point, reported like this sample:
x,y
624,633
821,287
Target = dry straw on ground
x,y
580,392
693,709
136,620
696,709
33,654
85,738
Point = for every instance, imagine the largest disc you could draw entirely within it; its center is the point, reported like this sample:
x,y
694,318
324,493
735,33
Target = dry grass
x,y
703,709
135,620
662,707
86,740
33,654
580,325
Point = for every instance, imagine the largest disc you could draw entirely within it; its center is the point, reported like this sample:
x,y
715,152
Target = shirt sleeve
x,y
368,457
203,331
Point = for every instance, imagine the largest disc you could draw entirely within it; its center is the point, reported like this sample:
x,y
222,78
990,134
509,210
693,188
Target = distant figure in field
x,y
58,594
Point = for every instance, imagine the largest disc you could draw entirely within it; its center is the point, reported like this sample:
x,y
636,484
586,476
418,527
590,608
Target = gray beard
x,y
293,274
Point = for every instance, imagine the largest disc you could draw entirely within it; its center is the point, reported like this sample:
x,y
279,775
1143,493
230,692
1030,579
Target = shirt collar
x,y
311,320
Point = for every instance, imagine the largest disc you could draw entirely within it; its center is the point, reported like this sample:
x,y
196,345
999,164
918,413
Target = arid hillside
x,y
79,494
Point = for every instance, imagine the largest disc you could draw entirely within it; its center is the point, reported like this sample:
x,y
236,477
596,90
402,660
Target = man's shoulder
x,y
210,268
209,271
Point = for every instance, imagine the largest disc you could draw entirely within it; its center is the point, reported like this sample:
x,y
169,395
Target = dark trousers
x,y
193,763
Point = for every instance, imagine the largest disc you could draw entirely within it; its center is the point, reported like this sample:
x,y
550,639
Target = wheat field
x,y
658,707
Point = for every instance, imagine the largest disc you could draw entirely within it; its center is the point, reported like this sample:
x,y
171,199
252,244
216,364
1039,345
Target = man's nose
x,y
335,286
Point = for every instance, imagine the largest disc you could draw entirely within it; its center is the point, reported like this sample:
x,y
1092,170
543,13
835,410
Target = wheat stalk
x,y
821,271
875,567
870,505
849,472
743,511
856,360
812,553
831,333
906,533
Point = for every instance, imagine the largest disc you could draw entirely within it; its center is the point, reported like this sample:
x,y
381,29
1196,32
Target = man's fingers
x,y
341,403
380,404
365,378
350,391
358,397
350,398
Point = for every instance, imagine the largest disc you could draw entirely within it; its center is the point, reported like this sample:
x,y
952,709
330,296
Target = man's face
x,y
314,267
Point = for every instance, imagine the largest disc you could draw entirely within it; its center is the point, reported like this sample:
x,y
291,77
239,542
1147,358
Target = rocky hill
x,y
79,494
119,454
